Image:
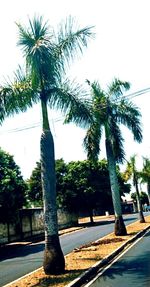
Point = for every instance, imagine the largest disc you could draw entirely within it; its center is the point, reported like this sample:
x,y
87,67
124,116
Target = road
x,y
132,269
28,258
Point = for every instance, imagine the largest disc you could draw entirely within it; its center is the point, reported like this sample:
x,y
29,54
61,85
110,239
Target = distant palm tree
x,y
132,172
47,55
110,109
145,175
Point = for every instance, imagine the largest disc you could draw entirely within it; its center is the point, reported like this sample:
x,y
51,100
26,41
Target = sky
x,y
121,48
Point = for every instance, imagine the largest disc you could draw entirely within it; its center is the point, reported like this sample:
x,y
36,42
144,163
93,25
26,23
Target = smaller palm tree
x,y
132,172
145,175
110,109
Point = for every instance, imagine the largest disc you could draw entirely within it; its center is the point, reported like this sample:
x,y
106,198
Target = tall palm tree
x,y
145,175
47,55
110,109
132,172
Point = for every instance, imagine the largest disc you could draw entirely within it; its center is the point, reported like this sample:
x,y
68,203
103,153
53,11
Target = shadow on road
x,y
20,251
103,222
135,270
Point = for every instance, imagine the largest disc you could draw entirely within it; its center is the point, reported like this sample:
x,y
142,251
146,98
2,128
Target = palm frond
x,y
72,100
91,141
71,40
117,140
17,95
97,92
38,48
145,173
117,88
129,115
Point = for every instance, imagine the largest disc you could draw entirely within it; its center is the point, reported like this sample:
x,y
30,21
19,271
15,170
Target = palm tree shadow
x,y
96,223
102,222
129,267
19,250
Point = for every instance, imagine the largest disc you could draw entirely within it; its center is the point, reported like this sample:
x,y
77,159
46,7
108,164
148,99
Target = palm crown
x,y
47,55
110,109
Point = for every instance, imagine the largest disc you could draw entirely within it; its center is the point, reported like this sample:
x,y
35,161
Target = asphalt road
x,y
131,270
28,258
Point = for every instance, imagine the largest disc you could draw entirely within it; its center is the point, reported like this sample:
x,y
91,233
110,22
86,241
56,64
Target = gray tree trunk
x,y
53,257
54,262
120,228
148,191
139,205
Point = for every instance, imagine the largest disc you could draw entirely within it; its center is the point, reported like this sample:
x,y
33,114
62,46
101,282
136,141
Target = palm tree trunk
x,y
91,215
120,228
148,191
141,216
54,262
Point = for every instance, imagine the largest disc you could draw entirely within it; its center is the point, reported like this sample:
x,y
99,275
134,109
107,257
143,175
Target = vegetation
x,y
81,187
145,175
85,187
143,197
12,188
132,172
34,192
47,55
110,109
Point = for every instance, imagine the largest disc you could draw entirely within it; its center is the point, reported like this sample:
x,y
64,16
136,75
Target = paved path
x,y
131,270
28,258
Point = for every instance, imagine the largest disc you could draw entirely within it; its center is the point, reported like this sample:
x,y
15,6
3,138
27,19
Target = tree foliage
x,y
34,192
145,175
12,188
133,173
81,186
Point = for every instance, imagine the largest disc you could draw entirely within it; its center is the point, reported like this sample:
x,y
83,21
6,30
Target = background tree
x,y
110,109
143,197
132,172
145,175
12,189
47,55
86,187
34,192
81,187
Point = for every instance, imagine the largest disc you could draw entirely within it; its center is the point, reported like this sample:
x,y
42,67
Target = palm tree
x,y
132,172
145,174
110,109
47,55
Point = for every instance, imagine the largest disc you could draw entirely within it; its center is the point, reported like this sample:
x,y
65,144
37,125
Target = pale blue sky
x,y
121,49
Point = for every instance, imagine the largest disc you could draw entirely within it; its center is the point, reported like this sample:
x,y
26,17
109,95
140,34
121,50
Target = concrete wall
x,y
31,225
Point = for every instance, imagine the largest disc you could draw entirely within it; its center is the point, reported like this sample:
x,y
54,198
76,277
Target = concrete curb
x,y
92,272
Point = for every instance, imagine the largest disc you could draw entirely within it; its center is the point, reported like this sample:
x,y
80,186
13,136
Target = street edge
x,y
92,271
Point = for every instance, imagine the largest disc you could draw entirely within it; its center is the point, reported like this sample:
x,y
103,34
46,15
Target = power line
x,y
21,129
138,93
35,125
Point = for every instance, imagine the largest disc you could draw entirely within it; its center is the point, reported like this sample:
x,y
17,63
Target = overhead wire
x,y
35,125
